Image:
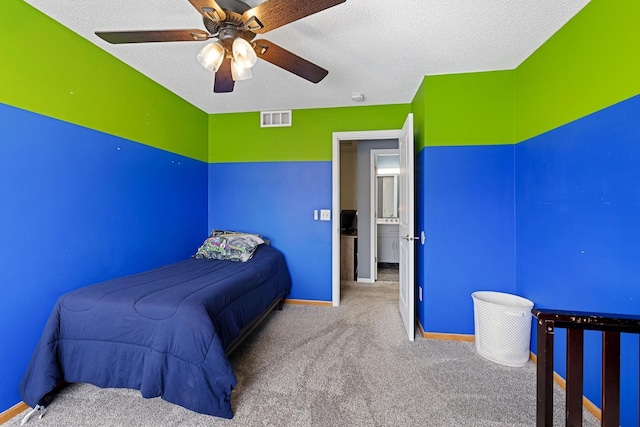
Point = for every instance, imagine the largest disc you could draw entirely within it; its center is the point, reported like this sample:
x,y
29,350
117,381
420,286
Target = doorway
x,y
369,193
351,138
366,221
406,224
385,190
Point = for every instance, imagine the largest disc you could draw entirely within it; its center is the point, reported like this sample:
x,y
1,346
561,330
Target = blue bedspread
x,y
163,332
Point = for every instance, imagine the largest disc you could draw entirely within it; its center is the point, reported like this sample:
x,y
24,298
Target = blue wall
x,y
465,205
79,206
277,200
578,213
578,229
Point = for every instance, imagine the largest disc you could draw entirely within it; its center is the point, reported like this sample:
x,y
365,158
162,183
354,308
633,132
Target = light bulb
x,y
238,72
211,56
243,53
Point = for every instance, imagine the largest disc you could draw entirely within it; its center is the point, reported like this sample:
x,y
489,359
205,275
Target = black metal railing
x,y
576,323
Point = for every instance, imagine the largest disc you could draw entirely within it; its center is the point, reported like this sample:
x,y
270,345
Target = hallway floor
x,y
388,272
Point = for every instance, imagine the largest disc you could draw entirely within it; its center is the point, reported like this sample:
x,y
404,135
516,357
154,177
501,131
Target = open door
x,y
406,228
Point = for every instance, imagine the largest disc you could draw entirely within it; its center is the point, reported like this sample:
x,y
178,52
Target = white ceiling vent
x,y
269,119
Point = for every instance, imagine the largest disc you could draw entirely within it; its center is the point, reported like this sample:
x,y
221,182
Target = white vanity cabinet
x,y
388,243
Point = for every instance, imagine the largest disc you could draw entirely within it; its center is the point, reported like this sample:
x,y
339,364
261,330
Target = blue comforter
x,y
163,332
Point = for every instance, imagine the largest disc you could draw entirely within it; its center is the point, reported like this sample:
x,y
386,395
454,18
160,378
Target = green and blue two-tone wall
x,y
464,194
272,179
104,173
577,198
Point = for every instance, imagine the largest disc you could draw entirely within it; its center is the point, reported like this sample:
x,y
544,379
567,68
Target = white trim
x,y
335,229
373,232
335,199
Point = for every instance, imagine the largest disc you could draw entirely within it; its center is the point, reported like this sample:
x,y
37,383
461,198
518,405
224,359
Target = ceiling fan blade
x,y
275,13
209,9
223,79
276,55
118,37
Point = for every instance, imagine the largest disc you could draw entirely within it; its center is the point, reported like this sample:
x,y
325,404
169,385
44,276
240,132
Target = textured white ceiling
x,y
381,48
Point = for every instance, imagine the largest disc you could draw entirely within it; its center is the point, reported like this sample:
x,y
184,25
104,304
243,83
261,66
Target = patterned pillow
x,y
229,245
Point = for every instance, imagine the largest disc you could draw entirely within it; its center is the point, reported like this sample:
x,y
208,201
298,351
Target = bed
x,y
166,332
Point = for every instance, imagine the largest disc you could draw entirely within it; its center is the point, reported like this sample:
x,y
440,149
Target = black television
x,y
348,221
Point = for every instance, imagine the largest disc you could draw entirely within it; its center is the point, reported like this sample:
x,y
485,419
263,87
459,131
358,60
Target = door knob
x,y
411,238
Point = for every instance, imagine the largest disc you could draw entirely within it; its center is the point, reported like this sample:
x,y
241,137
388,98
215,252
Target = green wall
x,y
466,109
48,69
238,137
418,105
590,63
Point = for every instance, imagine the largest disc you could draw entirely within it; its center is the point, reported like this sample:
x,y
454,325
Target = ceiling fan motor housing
x,y
229,29
235,6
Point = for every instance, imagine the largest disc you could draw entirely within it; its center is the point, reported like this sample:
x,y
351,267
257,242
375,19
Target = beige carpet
x,y
345,366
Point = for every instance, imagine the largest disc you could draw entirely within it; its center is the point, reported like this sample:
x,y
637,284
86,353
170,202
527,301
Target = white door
x,y
406,228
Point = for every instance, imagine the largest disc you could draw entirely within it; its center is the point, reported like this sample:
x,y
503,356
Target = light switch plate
x,y
325,214
315,214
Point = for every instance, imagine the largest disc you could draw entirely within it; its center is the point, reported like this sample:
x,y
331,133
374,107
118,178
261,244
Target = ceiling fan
x,y
232,26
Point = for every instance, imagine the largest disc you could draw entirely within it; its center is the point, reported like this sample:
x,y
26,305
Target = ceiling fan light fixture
x,y
211,56
238,72
243,53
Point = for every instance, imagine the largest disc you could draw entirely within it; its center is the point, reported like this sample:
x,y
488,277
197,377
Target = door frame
x,y
337,137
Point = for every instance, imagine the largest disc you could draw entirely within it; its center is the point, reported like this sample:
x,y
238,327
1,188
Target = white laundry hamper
x,y
502,327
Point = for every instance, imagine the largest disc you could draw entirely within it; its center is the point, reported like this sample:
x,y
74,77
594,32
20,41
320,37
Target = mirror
x,y
387,183
387,196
